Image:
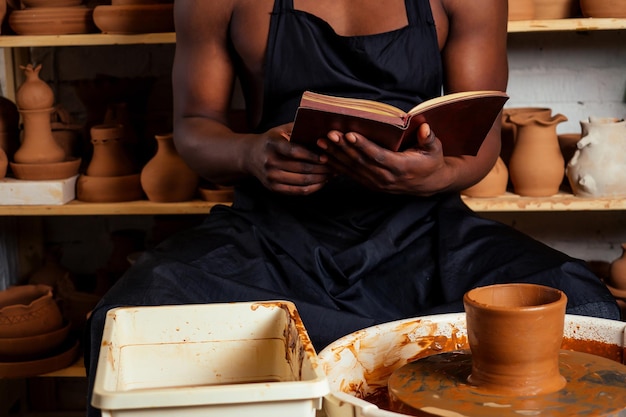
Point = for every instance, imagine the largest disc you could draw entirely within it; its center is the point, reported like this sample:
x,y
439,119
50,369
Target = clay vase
x,y
515,333
167,177
509,130
494,183
617,271
597,167
536,166
110,158
34,93
38,144
521,10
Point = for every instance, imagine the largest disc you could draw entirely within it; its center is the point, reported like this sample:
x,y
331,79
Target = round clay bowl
x,y
41,172
28,310
51,3
132,19
61,358
109,189
603,8
32,347
52,21
217,195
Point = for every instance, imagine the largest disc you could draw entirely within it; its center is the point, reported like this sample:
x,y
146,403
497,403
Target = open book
x,y
460,120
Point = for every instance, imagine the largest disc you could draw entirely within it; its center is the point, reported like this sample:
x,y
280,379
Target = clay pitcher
x,y
515,333
597,167
536,166
110,157
493,184
167,177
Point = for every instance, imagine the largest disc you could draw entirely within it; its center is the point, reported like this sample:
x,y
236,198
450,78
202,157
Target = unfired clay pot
x,y
536,165
515,333
110,158
28,310
597,167
167,177
556,9
521,9
603,8
494,183
509,130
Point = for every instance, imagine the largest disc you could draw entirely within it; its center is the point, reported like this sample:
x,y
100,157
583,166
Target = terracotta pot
x,y
110,158
515,333
521,9
52,21
597,167
32,347
28,310
167,177
509,130
536,165
494,183
603,8
556,9
51,3
617,271
38,145
217,194
131,19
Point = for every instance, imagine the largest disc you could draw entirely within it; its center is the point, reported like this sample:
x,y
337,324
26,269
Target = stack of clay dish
x,y
34,338
52,17
135,16
603,8
39,157
110,176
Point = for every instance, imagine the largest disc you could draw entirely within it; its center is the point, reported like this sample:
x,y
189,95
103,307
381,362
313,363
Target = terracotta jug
x,y
34,93
494,183
110,158
515,333
617,271
167,177
38,144
536,166
597,167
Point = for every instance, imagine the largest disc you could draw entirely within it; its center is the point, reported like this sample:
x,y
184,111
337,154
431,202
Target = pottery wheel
x,y
437,386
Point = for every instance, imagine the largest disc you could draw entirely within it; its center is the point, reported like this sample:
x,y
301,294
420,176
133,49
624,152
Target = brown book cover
x,y
460,120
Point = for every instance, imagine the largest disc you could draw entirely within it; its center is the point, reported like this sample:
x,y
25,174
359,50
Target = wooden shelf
x,y
90,39
556,25
506,202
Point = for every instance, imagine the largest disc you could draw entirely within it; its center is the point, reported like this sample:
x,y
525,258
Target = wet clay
x,y
595,386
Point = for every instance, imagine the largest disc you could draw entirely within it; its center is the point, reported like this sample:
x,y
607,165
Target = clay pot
x,y
509,130
597,167
28,310
34,93
110,158
515,333
494,183
32,347
617,271
38,144
167,177
133,19
51,3
603,8
217,194
556,9
521,10
52,21
536,166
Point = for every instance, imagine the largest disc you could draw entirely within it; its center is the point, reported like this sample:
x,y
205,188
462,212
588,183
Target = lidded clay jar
x,y
34,93
110,158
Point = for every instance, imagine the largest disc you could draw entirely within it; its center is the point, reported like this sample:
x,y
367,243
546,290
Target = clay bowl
x,y
52,20
52,171
109,189
132,19
28,310
51,3
603,8
217,195
32,347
